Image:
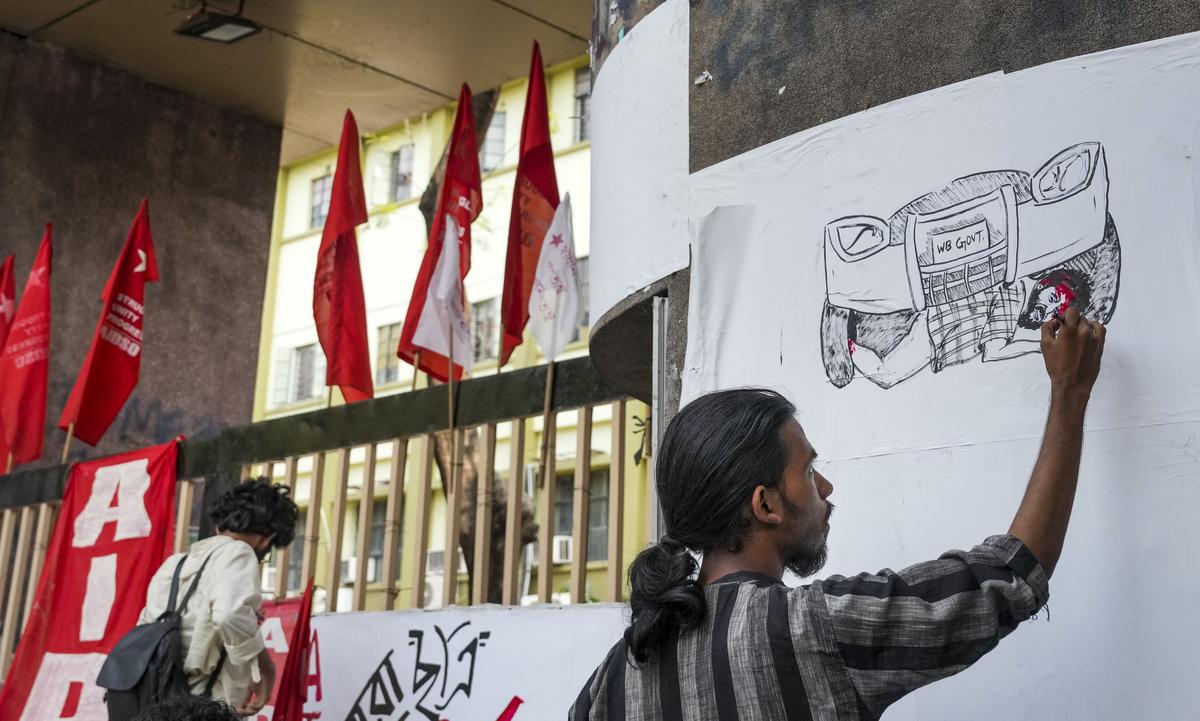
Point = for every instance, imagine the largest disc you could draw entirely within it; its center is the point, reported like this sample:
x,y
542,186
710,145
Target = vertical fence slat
x,y
336,530
183,515
366,515
12,610
41,542
513,511
8,525
581,505
616,504
392,532
421,528
312,525
283,555
545,585
483,516
453,520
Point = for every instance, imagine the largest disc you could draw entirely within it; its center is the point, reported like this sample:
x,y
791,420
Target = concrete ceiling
x,y
385,59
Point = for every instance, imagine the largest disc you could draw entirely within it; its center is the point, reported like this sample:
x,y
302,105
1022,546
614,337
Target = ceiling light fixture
x,y
218,27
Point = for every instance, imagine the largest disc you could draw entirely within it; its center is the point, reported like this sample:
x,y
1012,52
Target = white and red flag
x,y
459,203
554,301
535,196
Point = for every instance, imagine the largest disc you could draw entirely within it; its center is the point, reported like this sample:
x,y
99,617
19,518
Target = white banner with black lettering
x,y
473,664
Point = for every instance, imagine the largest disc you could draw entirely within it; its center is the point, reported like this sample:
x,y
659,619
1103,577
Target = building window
x,y
322,190
493,143
299,375
584,317
378,531
387,365
564,509
400,175
583,103
296,552
487,329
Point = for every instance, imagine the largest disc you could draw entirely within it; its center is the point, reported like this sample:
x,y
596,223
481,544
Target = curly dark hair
x,y
186,707
257,506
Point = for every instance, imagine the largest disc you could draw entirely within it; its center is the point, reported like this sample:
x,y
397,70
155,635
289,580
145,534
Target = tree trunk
x,y
484,105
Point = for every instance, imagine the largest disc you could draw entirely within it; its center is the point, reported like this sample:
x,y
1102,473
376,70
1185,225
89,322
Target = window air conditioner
x,y
563,546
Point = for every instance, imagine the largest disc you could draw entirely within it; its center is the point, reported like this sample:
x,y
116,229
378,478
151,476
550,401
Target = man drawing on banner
x,y
725,639
220,630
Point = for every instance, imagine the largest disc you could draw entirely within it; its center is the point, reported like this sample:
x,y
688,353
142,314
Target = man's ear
x,y
763,505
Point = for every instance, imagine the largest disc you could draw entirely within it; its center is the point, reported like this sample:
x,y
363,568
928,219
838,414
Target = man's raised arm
x,y
1071,348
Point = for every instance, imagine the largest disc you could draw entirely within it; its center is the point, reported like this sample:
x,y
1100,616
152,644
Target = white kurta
x,y
223,612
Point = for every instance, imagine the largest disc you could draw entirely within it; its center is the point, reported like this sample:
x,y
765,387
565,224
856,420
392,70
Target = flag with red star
x,y
554,297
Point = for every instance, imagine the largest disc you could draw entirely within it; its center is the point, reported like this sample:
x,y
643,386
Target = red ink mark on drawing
x,y
511,709
851,342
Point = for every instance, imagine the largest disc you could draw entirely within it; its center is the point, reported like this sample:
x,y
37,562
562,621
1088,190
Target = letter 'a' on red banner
x,y
114,530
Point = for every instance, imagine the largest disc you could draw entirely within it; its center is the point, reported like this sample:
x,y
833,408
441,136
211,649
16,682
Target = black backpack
x,y
146,666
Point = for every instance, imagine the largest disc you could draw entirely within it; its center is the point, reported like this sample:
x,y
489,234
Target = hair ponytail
x,y
665,596
714,453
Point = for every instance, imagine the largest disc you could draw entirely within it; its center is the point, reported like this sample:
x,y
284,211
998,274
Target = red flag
x,y
110,370
114,529
460,200
293,682
8,297
535,196
25,364
338,305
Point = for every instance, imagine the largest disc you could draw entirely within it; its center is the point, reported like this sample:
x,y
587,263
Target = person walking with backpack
x,y
215,588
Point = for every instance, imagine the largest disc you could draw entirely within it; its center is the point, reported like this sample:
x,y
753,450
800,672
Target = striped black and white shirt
x,y
840,648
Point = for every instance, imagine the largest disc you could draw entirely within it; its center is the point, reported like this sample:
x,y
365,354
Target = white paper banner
x,y
883,271
460,664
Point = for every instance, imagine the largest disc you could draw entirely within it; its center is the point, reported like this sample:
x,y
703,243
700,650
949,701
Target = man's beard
x,y
806,557
805,563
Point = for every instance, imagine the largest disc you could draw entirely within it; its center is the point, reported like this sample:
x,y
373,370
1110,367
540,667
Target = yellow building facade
x,y
397,165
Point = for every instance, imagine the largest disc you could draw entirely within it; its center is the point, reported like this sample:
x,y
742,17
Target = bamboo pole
x,y
579,522
334,564
512,515
12,612
67,445
416,369
421,527
483,517
616,504
283,555
183,515
41,543
366,515
453,524
545,424
312,525
545,502
394,528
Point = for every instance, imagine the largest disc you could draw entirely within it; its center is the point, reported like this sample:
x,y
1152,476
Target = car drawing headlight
x,y
1066,174
863,270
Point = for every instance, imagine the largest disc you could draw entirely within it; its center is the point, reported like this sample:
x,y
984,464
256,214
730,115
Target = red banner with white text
x,y
114,530
279,634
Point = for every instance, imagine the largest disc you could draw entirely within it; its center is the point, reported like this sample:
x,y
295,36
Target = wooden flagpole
x,y
500,351
8,468
416,369
542,460
329,398
453,460
67,445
